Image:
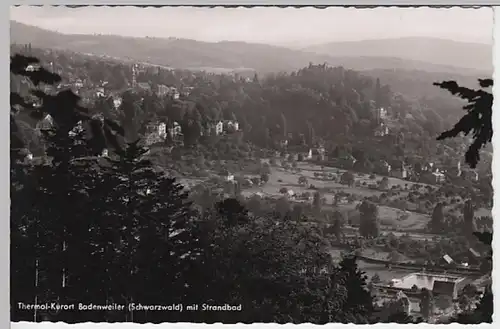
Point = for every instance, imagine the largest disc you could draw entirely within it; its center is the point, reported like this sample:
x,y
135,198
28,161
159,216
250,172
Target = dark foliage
x,y
477,121
483,312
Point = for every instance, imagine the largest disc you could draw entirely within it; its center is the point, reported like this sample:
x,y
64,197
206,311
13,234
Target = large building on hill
x,y
166,91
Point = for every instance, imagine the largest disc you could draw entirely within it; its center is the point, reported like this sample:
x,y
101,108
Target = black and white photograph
x,y
191,164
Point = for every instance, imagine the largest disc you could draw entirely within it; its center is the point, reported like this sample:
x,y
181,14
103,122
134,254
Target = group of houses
x,y
221,127
161,131
317,153
435,172
399,169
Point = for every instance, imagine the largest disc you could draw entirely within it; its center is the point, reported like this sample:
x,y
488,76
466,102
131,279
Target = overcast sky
x,y
289,26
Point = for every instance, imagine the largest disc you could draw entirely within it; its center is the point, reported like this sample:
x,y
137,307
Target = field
x,y
280,178
391,218
401,220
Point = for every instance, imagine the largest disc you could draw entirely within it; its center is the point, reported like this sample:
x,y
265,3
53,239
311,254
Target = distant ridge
x,y
431,50
231,55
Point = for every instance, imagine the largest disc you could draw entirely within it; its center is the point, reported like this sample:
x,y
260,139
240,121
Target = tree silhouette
x,y
338,224
359,302
484,309
278,269
347,178
477,120
153,227
369,225
384,184
468,297
46,236
468,212
302,180
317,201
436,224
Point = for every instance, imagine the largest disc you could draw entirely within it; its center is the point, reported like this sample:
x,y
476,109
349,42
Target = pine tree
x,y
368,226
436,223
154,227
49,232
358,306
469,226
317,202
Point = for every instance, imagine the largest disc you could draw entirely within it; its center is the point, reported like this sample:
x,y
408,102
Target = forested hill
x,y
317,104
419,84
191,54
475,56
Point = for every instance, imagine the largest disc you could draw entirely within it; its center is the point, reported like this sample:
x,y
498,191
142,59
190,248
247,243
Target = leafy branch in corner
x,y
477,120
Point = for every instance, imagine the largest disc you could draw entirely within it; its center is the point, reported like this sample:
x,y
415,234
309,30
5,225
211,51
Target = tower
x,y
134,81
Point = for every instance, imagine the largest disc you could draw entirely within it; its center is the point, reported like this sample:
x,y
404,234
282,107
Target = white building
x,y
438,176
382,130
99,92
383,113
228,177
162,130
309,155
448,259
117,102
219,128
175,130
232,125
